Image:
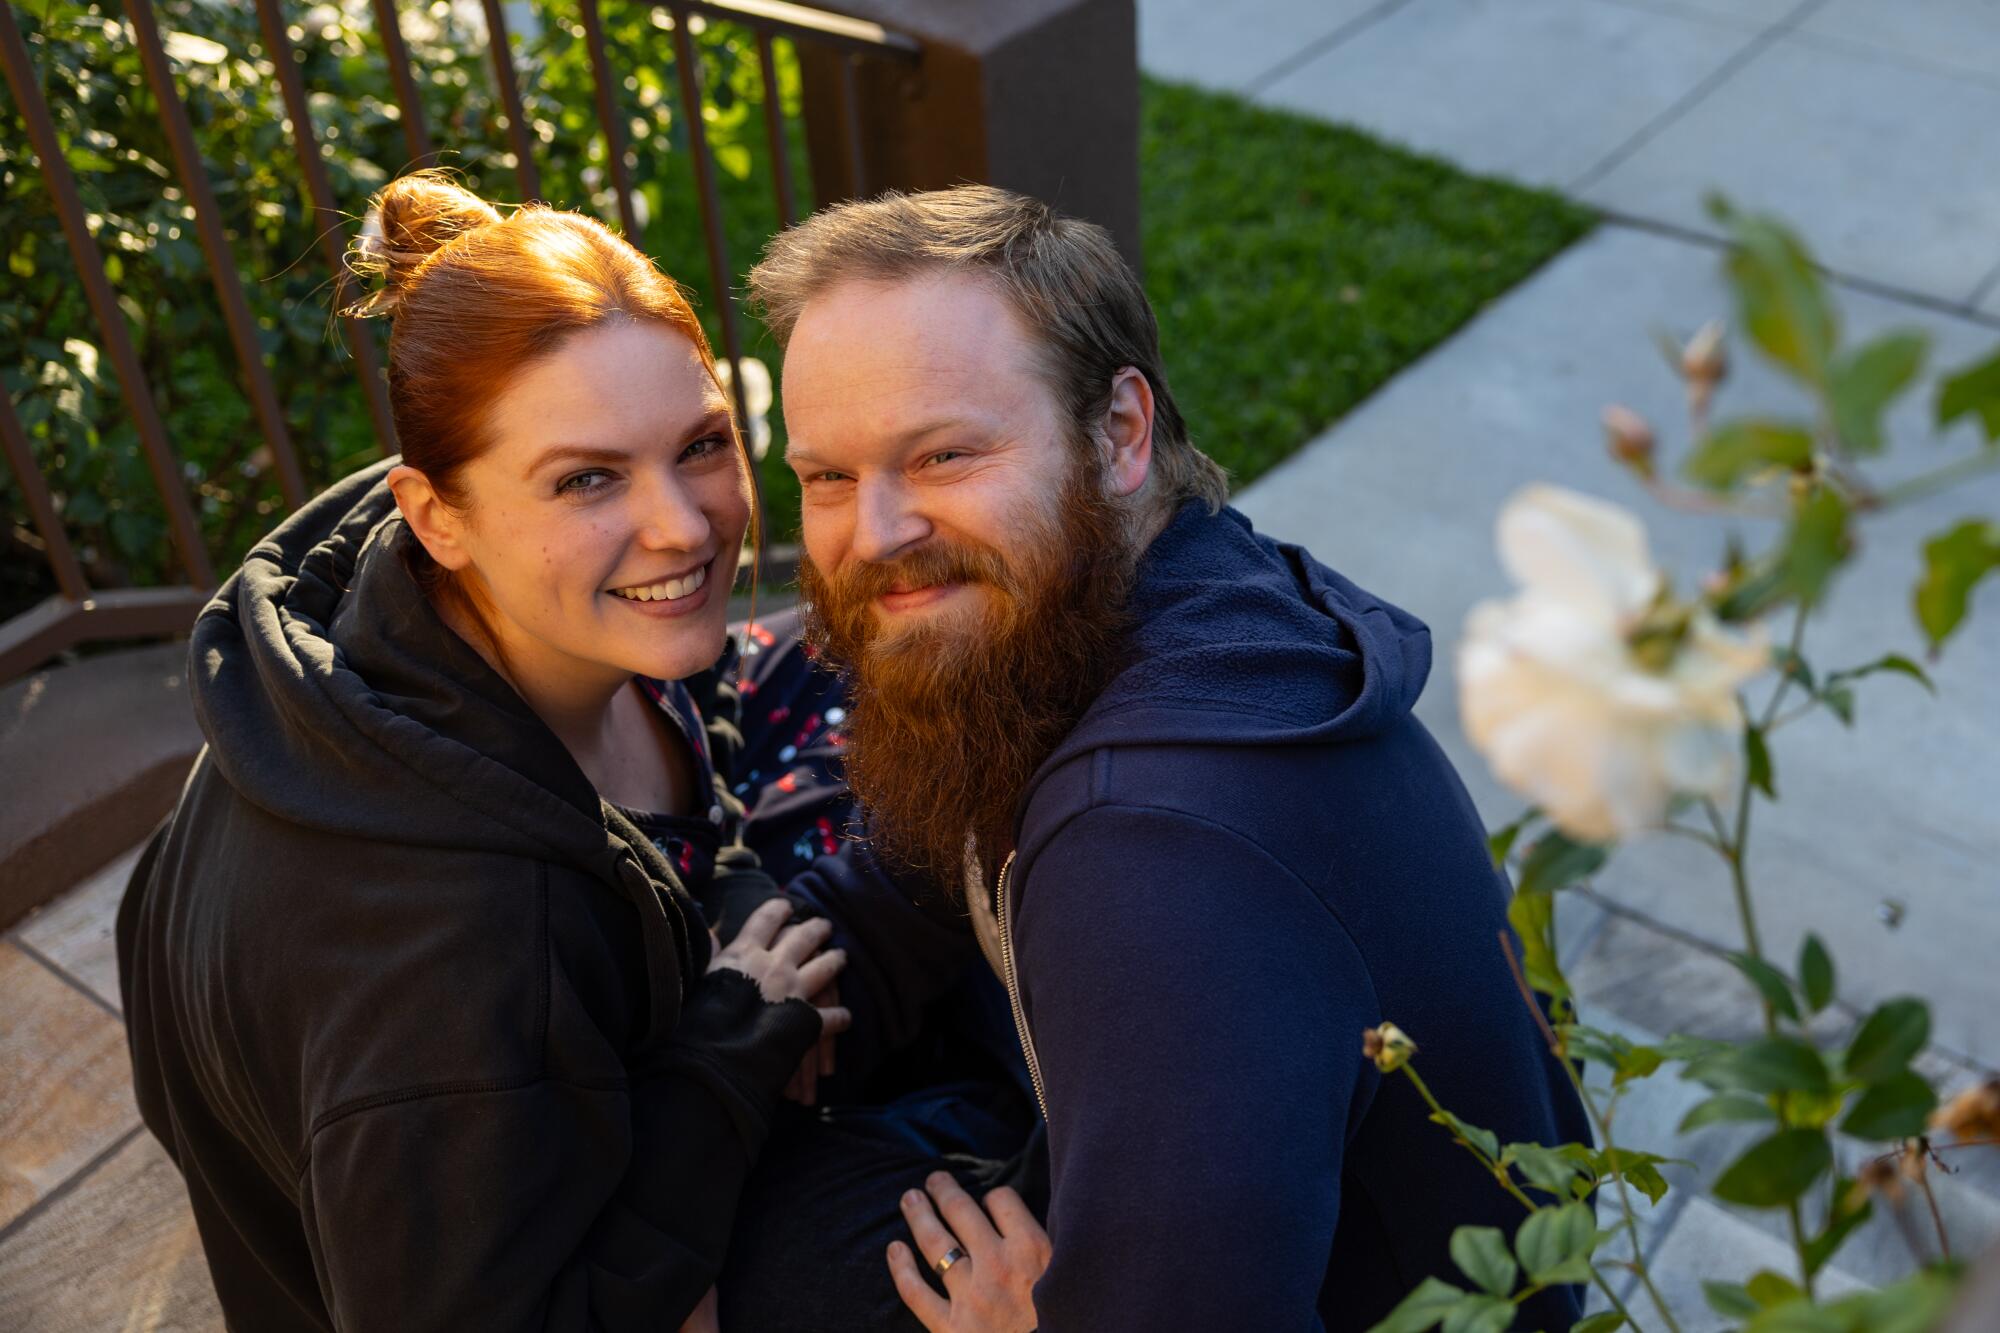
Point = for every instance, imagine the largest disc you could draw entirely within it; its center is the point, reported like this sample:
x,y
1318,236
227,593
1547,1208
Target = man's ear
x,y
435,524
1128,428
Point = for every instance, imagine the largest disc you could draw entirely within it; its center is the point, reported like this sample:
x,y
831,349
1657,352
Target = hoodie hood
x,y
1241,640
334,697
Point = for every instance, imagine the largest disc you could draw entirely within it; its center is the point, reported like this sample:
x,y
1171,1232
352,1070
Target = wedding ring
x,y
947,1259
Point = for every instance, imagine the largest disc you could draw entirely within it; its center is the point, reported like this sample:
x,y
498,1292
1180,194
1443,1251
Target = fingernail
x,y
910,1198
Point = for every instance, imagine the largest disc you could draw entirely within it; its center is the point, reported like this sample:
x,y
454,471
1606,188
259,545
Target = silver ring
x,y
947,1259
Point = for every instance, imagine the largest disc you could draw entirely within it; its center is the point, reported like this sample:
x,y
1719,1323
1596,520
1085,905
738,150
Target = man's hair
x,y
1063,276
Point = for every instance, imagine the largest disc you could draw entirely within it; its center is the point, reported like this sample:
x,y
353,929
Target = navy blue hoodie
x,y
1248,851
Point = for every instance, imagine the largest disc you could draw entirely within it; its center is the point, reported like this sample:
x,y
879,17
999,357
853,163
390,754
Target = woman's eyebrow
x,y
573,453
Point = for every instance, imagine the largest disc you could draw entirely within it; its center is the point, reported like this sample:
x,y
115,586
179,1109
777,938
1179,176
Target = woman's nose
x,y
670,520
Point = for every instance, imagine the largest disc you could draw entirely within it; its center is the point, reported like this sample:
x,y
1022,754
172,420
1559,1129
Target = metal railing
x,y
78,613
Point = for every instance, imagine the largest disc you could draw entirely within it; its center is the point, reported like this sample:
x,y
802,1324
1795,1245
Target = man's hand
x,y
992,1281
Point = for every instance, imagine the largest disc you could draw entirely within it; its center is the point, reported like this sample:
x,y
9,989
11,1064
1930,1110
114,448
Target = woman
x,y
419,994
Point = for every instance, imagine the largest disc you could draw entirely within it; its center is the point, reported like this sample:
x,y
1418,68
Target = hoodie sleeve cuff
x,y
741,1047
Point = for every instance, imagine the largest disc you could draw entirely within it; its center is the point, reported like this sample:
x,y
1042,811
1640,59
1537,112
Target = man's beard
x,y
948,719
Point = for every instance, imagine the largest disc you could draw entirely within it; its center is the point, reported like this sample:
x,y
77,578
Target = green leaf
x,y
1738,448
1532,914
1887,662
1636,1062
1776,1170
1481,1252
1840,702
1768,980
1479,1314
1555,1243
1544,1168
1954,562
1816,544
1604,1321
1556,862
1895,1108
1731,1300
1799,1315
1500,842
1421,1308
1865,382
1725,1108
1769,1288
1484,1139
1974,391
1822,1247
1757,760
1815,974
1768,1064
1780,299
1888,1039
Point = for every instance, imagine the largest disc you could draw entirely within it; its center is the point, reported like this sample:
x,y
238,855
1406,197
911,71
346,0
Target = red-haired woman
x,y
420,996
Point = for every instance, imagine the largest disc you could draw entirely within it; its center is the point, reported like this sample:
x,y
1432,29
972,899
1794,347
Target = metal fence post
x,y
1038,96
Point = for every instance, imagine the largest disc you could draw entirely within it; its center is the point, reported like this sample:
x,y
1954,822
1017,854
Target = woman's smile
x,y
680,595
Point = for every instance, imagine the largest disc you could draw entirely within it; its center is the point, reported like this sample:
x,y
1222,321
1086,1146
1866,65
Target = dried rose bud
x,y
1705,360
1630,438
1876,1176
1972,1114
1387,1047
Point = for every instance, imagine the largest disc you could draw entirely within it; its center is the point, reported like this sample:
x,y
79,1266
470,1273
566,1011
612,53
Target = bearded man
x,y
1201,836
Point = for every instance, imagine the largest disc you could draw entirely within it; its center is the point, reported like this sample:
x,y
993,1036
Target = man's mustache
x,y
934,563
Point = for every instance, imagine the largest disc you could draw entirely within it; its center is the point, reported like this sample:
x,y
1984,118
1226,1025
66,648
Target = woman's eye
x,y
704,447
583,483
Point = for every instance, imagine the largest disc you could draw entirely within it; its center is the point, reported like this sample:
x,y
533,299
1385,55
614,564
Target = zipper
x,y
1014,987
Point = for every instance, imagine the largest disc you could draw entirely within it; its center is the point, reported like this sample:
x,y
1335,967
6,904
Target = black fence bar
x,y
221,263
519,132
850,123
41,505
687,67
117,337
774,130
855,36
416,136
609,117
36,635
326,216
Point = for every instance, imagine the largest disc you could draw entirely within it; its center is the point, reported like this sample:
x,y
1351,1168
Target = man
x,y
1203,839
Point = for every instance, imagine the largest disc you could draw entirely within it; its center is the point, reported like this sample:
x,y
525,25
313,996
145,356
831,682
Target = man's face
x,y
966,565
928,446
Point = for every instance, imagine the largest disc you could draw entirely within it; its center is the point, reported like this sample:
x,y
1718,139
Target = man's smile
x,y
906,597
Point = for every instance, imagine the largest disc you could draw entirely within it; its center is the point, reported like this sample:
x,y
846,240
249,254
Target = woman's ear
x,y
1128,428
436,525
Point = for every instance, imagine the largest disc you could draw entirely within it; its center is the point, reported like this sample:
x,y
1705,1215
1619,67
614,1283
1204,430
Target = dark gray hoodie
x,y
424,1022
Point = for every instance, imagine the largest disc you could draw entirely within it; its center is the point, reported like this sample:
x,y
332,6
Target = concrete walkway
x,y
1865,123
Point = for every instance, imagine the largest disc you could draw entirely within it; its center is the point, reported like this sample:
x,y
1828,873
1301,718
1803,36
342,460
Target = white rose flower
x,y
1555,696
757,397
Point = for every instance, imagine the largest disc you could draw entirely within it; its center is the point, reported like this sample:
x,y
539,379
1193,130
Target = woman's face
x,y
605,519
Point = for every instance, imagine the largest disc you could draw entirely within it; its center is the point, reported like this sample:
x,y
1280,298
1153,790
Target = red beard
x,y
949,717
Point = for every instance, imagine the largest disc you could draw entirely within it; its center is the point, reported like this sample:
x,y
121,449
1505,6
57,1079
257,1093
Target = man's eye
x,y
583,483
826,476
945,456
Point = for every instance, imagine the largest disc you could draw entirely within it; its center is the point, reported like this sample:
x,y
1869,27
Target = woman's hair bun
x,y
409,220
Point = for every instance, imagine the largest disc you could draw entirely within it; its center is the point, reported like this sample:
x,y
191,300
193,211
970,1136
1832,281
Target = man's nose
x,y
886,521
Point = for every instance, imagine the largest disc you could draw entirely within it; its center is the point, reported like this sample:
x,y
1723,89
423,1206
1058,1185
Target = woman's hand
x,y
992,1280
788,962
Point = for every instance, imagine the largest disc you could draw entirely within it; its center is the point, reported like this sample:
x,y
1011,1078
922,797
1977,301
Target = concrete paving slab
x,y
1882,157
119,1251
1708,1241
75,932
1402,495
1743,13
1538,90
1234,45
1958,35
65,1082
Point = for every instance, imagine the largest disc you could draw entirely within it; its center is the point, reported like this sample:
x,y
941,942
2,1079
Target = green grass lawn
x,y
1295,265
